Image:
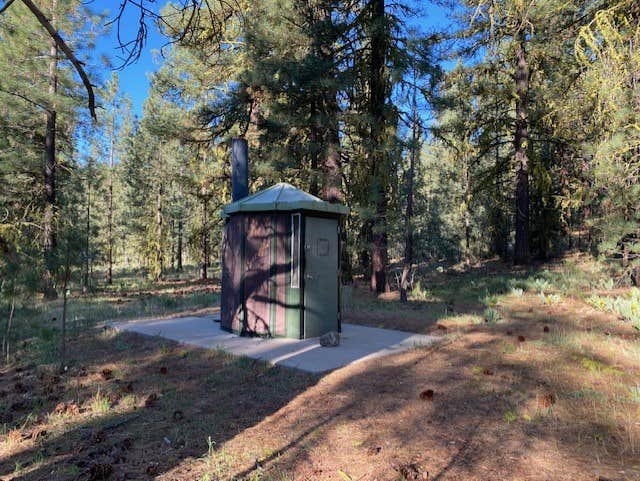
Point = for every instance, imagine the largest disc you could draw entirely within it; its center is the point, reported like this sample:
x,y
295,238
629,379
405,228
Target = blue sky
x,y
134,78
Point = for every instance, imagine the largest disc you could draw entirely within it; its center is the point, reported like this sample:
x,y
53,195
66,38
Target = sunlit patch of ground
x,y
545,388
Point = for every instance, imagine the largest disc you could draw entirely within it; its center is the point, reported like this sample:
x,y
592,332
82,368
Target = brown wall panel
x,y
257,272
230,303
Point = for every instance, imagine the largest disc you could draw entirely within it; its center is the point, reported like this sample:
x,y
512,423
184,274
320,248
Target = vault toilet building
x,y
280,259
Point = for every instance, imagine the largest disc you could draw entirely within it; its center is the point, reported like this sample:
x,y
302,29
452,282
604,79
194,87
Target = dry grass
x,y
547,391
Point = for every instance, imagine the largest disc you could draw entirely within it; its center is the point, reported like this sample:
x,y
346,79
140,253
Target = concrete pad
x,y
357,343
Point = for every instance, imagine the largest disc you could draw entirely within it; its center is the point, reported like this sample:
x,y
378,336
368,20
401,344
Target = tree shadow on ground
x,y
145,406
482,405
500,408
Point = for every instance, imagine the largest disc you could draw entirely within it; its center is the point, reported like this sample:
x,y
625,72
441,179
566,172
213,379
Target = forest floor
x,y
529,382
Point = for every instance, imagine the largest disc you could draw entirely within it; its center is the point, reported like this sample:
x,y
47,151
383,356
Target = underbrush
x,y
36,324
626,306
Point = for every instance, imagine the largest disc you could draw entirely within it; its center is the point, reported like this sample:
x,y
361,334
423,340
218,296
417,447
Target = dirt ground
x,y
546,393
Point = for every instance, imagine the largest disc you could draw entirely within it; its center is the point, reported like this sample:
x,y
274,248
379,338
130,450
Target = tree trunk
x,y
110,240
50,171
85,276
255,97
159,227
521,140
179,253
379,256
331,167
625,253
467,218
63,321
328,121
7,330
204,238
408,215
173,244
315,143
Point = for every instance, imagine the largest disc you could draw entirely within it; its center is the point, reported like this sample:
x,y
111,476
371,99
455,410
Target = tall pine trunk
x,y
63,320
315,136
7,330
379,256
204,238
407,263
180,224
50,170
522,252
467,216
331,163
331,166
110,239
87,242
159,231
329,110
179,253
173,244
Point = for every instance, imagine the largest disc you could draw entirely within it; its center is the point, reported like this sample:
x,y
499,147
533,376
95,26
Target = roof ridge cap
x,y
281,184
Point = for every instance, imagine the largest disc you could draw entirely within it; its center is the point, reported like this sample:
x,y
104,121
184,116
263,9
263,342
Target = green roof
x,y
283,197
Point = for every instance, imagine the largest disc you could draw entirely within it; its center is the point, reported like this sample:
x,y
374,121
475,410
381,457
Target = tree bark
x,y
63,321
50,203
467,217
173,244
331,167
7,330
204,238
159,231
180,224
522,252
253,133
315,135
87,241
408,215
110,239
179,253
329,110
379,256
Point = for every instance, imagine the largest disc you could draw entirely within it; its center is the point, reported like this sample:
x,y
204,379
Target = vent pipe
x,y
239,169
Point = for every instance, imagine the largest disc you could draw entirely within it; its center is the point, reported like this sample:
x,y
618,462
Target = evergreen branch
x,y
23,97
44,21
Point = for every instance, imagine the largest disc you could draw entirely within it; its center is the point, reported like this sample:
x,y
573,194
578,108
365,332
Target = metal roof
x,y
283,197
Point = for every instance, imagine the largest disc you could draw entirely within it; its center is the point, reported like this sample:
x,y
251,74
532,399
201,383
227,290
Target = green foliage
x,y
419,293
491,316
606,48
510,417
489,299
517,292
627,307
332,81
634,393
99,403
540,285
549,299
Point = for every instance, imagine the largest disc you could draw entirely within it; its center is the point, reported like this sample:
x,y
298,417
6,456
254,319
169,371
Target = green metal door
x,y
320,276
